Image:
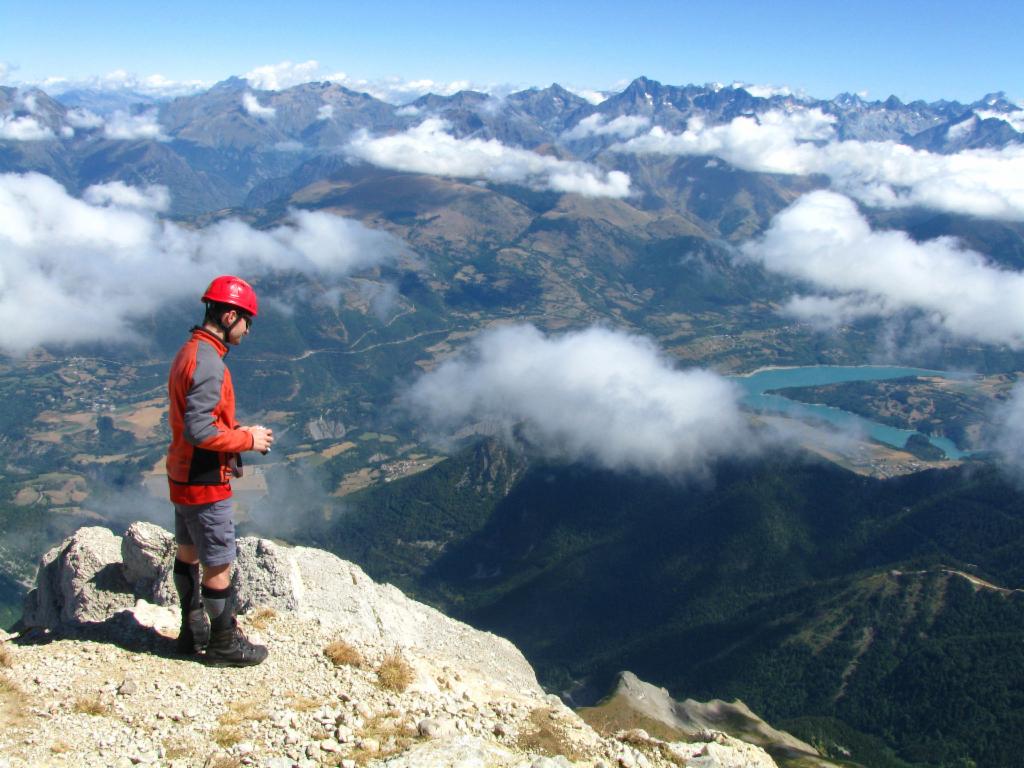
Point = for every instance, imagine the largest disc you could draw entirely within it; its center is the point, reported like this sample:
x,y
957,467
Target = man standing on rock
x,y
205,453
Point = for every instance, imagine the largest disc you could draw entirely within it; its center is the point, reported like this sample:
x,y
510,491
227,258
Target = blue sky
x,y
913,49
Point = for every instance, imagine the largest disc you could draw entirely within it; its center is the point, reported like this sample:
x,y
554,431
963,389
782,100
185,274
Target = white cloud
x,y
116,193
23,128
84,119
396,90
156,85
963,128
408,111
1008,442
277,77
594,97
824,240
253,107
764,91
428,148
980,182
596,395
326,112
28,100
826,312
78,271
773,142
128,127
1014,119
623,126
118,79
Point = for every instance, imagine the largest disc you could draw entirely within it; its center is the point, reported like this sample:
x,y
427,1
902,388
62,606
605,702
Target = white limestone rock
x,y
460,752
79,582
693,718
723,752
147,552
317,584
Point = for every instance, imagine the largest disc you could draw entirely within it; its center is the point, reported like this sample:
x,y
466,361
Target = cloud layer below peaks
x,y
76,270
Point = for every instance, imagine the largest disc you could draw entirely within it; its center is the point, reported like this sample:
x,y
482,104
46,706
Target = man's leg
x,y
194,633
217,576
218,597
227,646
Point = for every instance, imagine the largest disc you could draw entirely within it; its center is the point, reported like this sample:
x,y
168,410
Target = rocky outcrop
x,y
79,582
87,696
732,726
94,575
147,555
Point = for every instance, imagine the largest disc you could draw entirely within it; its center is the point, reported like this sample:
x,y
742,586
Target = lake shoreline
x,y
762,394
767,368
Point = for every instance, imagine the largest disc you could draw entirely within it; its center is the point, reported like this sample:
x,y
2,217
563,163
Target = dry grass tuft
x,y
261,618
616,714
392,734
60,747
13,702
8,686
301,703
546,736
343,654
91,704
225,762
228,735
6,657
230,729
239,712
178,750
394,673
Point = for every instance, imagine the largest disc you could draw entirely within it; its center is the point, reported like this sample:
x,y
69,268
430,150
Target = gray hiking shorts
x,y
210,528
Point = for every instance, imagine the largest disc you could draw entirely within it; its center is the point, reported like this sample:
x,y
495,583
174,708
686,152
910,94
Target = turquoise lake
x,y
755,385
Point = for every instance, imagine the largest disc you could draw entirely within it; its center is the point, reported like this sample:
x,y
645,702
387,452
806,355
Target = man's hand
x,y
262,438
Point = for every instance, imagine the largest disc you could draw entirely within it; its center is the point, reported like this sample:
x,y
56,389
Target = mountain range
x,y
213,148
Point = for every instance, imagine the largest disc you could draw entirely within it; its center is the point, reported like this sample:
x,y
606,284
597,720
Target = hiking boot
x,y
231,648
195,632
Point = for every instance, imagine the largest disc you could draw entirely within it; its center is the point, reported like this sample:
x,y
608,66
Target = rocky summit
x,y
358,675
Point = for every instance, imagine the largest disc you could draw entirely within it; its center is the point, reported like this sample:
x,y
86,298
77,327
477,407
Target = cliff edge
x,y
358,675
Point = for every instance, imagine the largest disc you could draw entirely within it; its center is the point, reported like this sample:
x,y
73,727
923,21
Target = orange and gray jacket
x,y
205,438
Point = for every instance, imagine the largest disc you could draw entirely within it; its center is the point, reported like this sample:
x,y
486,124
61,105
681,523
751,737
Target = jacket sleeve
x,y
201,401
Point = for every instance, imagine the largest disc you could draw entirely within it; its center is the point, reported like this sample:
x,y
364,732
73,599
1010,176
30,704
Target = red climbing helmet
x,y
234,291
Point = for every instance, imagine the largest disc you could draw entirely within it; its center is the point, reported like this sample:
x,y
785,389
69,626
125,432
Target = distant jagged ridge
x,y
212,149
